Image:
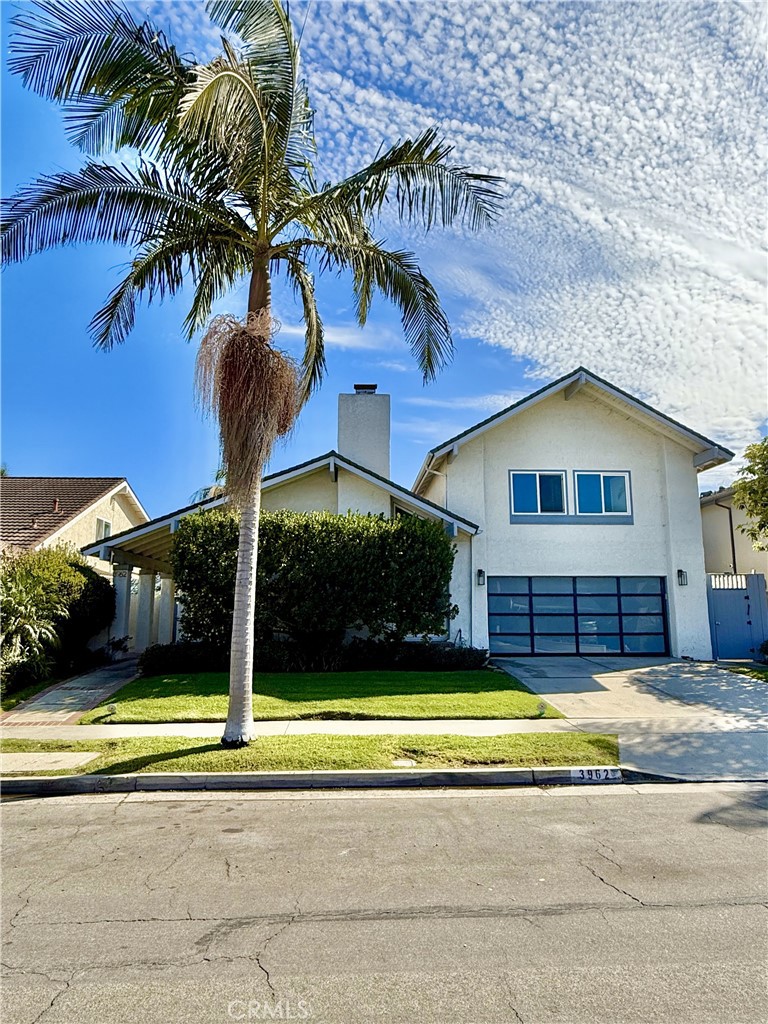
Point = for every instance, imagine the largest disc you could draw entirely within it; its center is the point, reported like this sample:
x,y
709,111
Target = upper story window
x,y
103,529
539,493
602,494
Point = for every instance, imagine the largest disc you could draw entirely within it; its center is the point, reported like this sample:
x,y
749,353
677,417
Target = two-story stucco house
x,y
575,515
590,531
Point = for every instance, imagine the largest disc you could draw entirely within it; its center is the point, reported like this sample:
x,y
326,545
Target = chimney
x,y
56,505
364,428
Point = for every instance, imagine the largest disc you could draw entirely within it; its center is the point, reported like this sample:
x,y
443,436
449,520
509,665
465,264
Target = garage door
x,y
577,615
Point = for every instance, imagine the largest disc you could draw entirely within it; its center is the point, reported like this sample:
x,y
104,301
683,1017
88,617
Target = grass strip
x,y
320,751
486,693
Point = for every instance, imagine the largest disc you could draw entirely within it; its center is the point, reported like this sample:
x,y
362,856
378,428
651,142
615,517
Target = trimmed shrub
x,y
182,657
320,575
53,602
188,657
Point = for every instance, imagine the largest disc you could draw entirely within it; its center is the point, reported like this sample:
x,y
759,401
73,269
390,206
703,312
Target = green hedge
x,y
53,602
319,575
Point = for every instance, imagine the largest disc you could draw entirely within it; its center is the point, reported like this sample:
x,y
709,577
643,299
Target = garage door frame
x,y
513,600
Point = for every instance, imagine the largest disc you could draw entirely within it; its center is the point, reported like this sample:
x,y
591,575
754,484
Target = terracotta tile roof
x,y
34,507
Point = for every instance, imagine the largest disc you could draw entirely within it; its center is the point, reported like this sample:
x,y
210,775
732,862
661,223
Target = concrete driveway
x,y
681,719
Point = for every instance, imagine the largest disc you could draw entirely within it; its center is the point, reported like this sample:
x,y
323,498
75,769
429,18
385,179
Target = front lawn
x,y
355,695
755,671
318,752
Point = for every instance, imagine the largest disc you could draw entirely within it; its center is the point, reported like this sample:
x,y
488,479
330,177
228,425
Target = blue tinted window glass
x,y
588,489
552,585
509,624
596,644
524,492
597,605
641,603
596,585
615,493
551,492
507,584
554,645
510,645
643,644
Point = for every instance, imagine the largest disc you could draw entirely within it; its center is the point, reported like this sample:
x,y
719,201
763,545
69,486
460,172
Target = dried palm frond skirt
x,y
252,388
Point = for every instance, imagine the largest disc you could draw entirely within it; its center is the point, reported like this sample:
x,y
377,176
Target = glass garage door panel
x,y
586,615
510,645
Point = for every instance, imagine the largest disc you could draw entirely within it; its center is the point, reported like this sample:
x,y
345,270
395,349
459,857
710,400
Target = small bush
x,y
763,650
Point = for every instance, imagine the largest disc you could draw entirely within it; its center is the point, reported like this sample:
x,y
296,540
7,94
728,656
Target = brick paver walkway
x,y
66,702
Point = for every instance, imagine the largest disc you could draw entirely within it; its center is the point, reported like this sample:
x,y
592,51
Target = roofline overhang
x,y
103,548
709,453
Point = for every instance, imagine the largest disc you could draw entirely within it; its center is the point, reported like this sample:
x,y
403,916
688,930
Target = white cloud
x,y
348,336
632,139
484,403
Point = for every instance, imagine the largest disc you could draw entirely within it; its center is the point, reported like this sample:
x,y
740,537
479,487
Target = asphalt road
x,y
614,905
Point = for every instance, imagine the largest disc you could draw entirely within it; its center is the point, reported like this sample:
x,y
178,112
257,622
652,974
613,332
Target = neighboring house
x,y
574,512
726,548
45,511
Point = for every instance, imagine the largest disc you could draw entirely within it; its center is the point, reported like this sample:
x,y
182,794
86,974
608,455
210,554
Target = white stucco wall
x,y
584,433
718,556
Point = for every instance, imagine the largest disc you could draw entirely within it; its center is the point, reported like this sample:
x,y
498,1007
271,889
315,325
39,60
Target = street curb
x,y
410,778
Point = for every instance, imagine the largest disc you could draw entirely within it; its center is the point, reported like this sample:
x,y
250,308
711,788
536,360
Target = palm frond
x,y
119,79
313,360
399,278
223,108
271,52
159,270
414,177
224,266
107,203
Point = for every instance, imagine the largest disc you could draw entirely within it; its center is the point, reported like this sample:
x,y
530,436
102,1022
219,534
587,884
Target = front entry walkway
x,y
65,703
691,720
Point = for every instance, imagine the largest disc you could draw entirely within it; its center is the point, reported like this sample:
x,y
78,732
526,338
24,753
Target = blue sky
x,y
632,241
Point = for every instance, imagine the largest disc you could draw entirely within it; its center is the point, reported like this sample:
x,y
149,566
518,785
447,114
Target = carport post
x,y
145,610
165,609
121,578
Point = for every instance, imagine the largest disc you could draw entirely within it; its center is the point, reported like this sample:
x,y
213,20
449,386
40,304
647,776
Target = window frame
x,y
562,473
602,473
100,534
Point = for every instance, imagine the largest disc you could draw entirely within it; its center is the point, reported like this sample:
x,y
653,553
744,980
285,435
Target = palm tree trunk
x,y
239,728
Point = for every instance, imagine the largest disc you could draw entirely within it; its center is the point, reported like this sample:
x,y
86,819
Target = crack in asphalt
x,y
415,913
610,884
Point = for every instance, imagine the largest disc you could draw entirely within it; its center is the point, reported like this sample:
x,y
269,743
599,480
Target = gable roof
x,y
35,508
150,542
712,453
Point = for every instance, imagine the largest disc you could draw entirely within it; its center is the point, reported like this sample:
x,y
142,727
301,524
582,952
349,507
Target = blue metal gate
x,y
738,614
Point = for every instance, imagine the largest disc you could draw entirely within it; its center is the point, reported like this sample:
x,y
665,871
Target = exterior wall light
x,y
481,577
682,577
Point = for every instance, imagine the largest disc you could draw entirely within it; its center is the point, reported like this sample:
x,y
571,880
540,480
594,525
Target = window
x,y
537,493
602,494
103,529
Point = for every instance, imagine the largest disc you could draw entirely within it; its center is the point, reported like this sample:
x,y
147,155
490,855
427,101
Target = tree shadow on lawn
x,y
323,686
136,764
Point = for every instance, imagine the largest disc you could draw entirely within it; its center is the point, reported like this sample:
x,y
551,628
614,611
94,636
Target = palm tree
x,y
225,188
